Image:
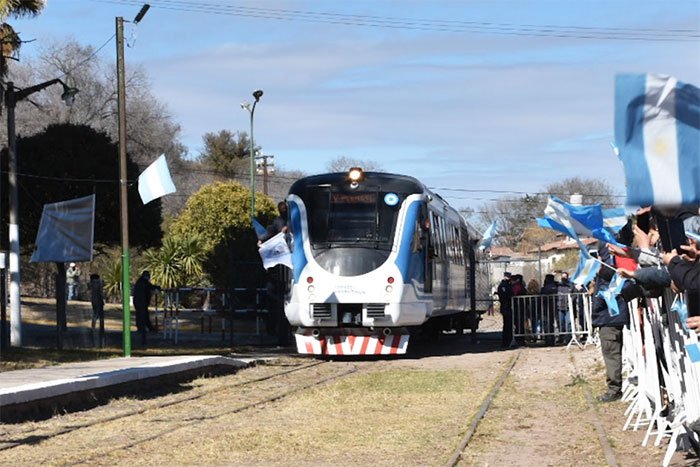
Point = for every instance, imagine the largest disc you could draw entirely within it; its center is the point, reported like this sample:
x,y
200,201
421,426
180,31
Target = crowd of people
x,y
657,255
542,311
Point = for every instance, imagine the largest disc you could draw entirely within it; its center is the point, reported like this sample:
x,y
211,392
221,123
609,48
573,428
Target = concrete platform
x,y
39,392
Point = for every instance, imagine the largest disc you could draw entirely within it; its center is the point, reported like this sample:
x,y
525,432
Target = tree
x,y
70,161
220,214
514,215
11,41
592,190
343,164
179,262
151,130
226,153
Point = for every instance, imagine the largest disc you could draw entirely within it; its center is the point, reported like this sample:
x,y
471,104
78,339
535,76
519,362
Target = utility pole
x,y
123,198
123,178
265,168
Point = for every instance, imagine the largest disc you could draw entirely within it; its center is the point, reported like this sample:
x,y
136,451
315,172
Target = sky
x,y
477,99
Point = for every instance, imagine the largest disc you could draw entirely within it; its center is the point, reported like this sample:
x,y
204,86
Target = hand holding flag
x,y
276,251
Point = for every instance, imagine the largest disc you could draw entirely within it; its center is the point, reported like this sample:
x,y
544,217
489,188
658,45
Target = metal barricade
x,y
562,317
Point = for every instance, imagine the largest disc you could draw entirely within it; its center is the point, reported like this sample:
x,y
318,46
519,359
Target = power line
x,y
88,58
449,26
245,178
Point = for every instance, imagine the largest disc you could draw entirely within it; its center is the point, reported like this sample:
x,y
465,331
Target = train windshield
x,y
358,217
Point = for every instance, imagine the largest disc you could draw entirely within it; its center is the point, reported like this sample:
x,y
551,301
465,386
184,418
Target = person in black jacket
x,y
276,283
609,329
505,295
142,298
548,295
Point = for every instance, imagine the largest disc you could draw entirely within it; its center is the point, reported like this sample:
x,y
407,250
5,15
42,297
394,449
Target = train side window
x,y
435,235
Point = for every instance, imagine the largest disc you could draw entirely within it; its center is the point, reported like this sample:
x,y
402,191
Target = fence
x,y
562,317
209,303
661,361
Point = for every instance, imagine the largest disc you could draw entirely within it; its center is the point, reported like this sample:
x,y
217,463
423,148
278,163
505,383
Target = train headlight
x,y
355,176
311,288
389,289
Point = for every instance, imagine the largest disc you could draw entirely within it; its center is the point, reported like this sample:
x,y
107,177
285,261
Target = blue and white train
x,y
376,257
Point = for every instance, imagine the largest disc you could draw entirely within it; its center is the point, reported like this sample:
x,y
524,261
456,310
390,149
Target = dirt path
x,y
542,417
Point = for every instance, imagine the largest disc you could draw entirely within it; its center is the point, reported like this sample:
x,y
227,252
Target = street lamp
x,y
12,96
257,94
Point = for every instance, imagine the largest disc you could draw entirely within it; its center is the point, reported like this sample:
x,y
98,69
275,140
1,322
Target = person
x,y
72,280
549,291
518,287
142,298
533,308
96,298
98,302
564,289
505,295
610,329
279,224
276,282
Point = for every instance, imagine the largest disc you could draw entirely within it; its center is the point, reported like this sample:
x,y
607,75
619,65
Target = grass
x,y
395,417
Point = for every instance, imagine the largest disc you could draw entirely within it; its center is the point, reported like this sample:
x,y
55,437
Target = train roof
x,y
388,181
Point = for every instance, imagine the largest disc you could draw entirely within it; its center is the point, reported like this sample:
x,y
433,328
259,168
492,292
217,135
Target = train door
x,y
440,263
428,248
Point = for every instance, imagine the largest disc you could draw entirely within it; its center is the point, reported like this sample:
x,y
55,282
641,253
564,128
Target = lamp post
x,y
257,94
12,96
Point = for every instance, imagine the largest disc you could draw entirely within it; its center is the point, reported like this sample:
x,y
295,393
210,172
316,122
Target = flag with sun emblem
x,y
657,134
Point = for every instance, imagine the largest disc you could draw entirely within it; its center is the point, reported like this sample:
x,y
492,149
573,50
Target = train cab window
x,y
351,217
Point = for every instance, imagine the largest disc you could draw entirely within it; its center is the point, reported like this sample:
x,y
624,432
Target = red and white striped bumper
x,y
394,344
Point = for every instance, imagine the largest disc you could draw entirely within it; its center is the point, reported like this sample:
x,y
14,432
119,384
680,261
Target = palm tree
x,y
177,263
10,39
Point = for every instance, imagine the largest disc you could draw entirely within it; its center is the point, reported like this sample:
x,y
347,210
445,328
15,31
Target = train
x,y
377,258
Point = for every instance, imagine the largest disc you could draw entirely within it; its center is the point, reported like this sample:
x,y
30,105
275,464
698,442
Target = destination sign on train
x,y
353,198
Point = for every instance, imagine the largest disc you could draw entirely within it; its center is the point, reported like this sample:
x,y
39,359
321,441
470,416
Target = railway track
x,y
591,415
457,454
269,384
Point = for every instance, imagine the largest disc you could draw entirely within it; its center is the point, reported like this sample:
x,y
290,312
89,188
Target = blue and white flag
x,y
276,251
155,181
260,230
614,219
587,269
576,220
610,294
486,241
657,133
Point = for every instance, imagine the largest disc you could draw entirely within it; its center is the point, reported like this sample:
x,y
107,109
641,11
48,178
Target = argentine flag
x,y
155,181
614,219
657,134
576,220
610,294
488,237
587,268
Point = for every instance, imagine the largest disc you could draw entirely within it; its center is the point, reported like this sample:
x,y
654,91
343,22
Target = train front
x,y
358,263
